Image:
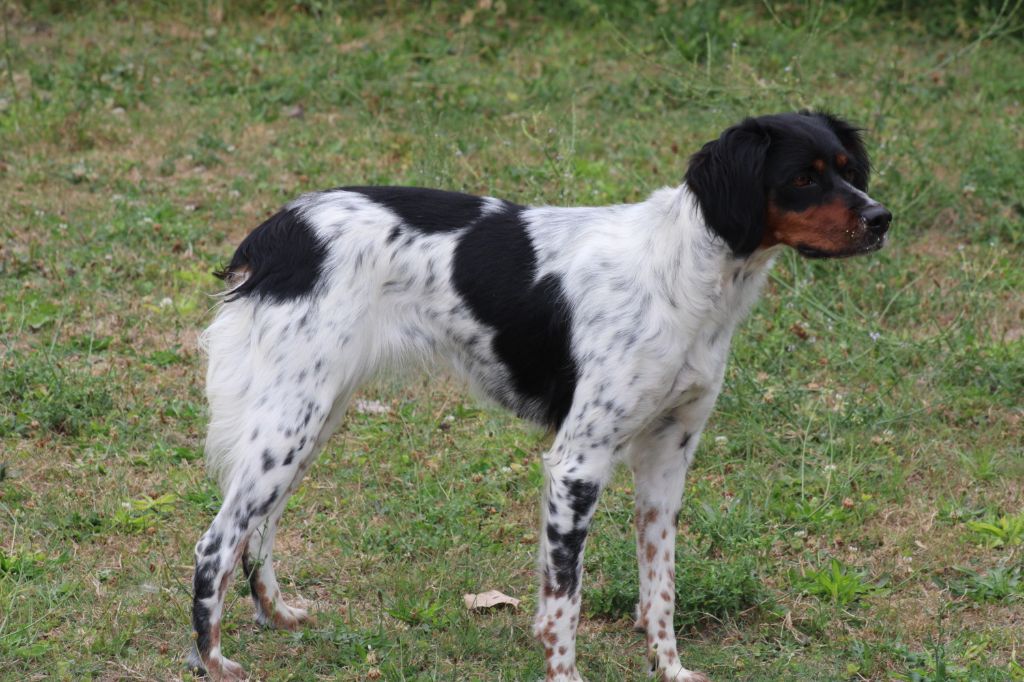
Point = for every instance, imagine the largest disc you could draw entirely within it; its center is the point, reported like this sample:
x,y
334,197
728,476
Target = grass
x,y
854,512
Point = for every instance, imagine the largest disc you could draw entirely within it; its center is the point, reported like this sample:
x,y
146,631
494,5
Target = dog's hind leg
x,y
271,412
257,564
257,559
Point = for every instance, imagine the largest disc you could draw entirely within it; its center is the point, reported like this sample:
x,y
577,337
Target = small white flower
x,y
875,336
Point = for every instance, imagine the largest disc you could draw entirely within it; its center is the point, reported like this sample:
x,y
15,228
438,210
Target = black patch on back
x,y
427,210
283,258
494,271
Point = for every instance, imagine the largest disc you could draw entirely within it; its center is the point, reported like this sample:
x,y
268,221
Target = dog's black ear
x,y
849,136
726,178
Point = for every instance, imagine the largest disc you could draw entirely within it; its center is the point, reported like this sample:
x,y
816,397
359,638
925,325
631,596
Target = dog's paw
x,y
678,673
225,670
215,668
574,676
194,663
283,617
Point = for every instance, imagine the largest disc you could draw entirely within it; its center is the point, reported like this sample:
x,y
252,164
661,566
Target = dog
x,y
610,325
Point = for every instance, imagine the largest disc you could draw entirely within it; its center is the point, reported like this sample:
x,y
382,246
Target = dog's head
x,y
797,179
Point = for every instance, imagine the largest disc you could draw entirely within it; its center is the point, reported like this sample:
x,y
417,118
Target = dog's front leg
x,y
576,470
660,458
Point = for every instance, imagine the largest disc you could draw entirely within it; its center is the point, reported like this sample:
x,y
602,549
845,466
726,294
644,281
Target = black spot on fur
x,y
289,457
566,549
268,461
206,573
427,210
283,259
582,498
201,627
494,272
265,507
213,545
686,440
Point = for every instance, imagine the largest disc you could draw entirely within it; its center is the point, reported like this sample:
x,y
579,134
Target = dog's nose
x,y
877,218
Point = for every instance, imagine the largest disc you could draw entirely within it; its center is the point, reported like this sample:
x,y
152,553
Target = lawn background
x,y
856,511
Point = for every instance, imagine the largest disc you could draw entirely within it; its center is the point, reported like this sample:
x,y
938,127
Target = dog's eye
x,y
803,181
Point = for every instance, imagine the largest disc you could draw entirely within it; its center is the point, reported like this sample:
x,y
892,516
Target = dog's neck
x,y
698,270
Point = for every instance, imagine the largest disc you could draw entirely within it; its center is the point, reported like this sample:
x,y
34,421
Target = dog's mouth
x,y
873,244
811,252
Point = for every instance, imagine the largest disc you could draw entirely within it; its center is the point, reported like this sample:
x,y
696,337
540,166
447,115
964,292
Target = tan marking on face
x,y
829,228
842,160
819,165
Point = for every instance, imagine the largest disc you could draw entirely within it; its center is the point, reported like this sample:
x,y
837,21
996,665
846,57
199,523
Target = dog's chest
x,y
702,350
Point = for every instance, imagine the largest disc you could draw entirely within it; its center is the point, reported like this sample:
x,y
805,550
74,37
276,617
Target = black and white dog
x,y
610,325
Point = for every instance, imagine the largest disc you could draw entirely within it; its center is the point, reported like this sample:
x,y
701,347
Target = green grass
x,y
855,506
